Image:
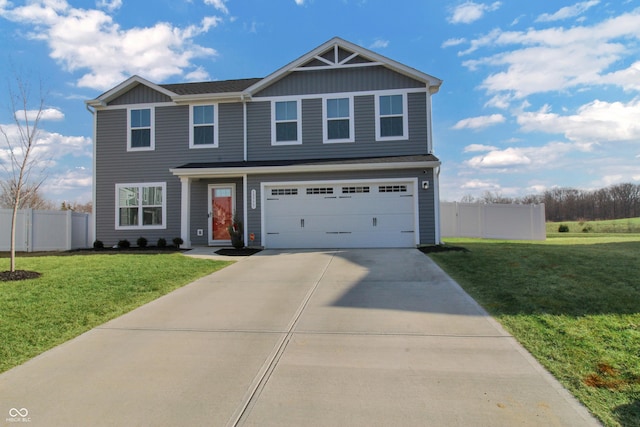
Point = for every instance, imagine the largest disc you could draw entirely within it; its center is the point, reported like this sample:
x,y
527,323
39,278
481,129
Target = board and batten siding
x,y
312,147
425,197
360,79
140,94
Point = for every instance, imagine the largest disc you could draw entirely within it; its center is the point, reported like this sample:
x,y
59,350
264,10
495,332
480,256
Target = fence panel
x,y
493,221
46,230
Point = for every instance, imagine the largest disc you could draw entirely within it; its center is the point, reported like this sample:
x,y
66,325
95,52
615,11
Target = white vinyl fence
x,y
46,230
493,221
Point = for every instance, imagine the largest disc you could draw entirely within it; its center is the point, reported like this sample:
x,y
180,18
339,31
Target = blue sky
x,y
536,95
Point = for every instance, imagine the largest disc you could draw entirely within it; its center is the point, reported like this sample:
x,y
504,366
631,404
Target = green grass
x,y
627,225
77,293
573,302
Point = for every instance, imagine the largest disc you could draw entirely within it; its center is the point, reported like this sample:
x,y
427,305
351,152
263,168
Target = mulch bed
x,y
6,276
442,248
238,252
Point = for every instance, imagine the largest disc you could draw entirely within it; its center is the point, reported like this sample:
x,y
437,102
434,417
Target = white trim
x,y
152,126
340,94
140,185
325,121
436,205
185,211
412,181
405,117
234,172
298,121
216,126
211,187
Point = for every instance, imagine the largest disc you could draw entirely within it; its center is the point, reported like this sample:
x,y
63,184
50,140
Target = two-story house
x,y
332,150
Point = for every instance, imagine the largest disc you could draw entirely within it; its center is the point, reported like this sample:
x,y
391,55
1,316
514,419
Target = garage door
x,y
340,215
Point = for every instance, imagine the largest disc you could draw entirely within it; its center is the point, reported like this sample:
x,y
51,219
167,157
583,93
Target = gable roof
x,y
333,54
339,53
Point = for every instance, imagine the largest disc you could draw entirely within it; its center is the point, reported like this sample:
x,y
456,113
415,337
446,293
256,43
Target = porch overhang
x,y
229,169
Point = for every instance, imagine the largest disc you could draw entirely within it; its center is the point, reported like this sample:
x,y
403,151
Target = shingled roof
x,y
222,86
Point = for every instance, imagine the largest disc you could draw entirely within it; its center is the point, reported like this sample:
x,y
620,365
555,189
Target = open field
x,y
626,225
573,302
77,293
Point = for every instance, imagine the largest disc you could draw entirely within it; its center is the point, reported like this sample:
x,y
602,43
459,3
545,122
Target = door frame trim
x,y
210,189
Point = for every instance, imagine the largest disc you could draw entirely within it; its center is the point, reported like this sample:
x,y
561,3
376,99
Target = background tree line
x,y
569,204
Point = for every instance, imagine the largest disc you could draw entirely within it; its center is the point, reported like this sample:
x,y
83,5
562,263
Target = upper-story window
x,y
140,132
141,206
338,120
287,126
203,131
391,117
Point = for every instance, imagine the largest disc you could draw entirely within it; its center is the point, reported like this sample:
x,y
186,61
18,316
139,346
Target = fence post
x,y
28,223
69,236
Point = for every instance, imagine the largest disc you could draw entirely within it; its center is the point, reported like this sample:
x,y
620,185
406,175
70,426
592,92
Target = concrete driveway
x,y
305,338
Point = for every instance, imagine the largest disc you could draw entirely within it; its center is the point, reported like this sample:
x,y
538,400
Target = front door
x,y
221,209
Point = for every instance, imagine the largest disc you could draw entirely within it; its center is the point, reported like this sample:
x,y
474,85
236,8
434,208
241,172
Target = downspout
x,y
436,204
244,128
245,186
93,173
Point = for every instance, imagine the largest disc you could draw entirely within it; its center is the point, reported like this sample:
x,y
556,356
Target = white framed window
x,y
286,122
338,123
141,206
391,117
203,129
140,129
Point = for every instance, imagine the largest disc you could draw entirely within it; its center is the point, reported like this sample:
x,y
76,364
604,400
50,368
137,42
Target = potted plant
x,y
236,233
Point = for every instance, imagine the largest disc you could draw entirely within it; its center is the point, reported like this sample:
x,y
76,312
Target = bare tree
x,y
22,177
32,198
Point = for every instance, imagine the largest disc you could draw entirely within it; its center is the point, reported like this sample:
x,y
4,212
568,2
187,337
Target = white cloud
x,y
46,114
76,181
568,11
469,12
453,42
91,42
556,59
500,158
299,2
109,5
477,184
218,4
472,148
379,44
479,122
595,122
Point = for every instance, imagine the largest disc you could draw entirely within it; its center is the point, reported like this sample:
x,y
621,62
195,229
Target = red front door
x,y
221,212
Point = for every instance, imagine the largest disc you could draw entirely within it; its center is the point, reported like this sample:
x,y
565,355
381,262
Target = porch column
x,y
185,212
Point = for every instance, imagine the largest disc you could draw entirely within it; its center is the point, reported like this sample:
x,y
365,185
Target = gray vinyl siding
x,y
358,79
312,147
114,165
140,94
425,197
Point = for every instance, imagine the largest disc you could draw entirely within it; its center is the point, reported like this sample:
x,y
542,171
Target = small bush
x,y
162,243
587,229
177,241
124,244
563,228
141,242
98,244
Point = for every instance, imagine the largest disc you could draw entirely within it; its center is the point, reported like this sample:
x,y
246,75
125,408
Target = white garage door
x,y
340,215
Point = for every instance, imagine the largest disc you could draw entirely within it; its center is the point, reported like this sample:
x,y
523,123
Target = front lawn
x,y
76,293
574,303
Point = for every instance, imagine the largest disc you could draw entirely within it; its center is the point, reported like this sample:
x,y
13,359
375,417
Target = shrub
x,y
177,241
98,244
563,228
124,244
141,242
587,229
162,243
